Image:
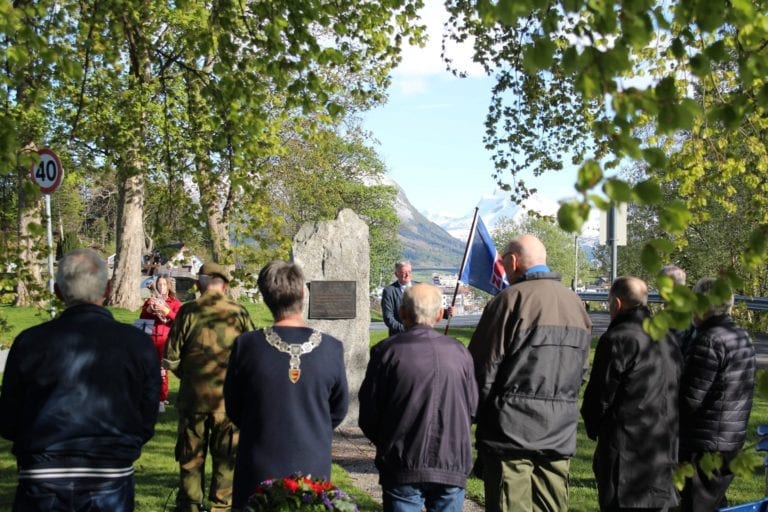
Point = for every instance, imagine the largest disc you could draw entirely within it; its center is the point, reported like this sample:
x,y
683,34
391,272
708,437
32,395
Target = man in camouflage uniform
x,y
197,352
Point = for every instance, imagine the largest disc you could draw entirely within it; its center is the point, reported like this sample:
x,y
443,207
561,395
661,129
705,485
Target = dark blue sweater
x,y
285,427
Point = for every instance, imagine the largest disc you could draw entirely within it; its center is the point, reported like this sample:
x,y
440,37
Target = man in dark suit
x,y
392,295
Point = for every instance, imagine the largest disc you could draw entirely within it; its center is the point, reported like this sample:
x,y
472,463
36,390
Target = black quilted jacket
x,y
716,388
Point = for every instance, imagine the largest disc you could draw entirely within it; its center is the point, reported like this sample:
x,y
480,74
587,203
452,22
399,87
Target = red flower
x,y
290,484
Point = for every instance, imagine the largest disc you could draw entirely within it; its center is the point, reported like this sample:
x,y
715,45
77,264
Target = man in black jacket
x,y
416,405
630,407
79,399
715,399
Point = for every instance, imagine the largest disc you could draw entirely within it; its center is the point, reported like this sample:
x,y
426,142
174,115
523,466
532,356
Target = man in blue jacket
x,y
416,405
79,399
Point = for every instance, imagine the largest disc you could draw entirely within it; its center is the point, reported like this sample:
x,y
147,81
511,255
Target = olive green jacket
x,y
198,348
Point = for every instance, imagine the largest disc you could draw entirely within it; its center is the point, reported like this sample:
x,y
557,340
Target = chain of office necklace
x,y
295,350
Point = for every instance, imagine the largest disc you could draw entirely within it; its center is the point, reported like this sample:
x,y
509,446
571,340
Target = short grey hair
x,y
676,273
422,302
82,277
402,263
704,286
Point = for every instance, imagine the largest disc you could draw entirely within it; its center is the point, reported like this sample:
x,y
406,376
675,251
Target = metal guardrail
x,y
753,303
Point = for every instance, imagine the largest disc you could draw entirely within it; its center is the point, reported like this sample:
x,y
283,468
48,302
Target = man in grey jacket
x,y
416,405
530,353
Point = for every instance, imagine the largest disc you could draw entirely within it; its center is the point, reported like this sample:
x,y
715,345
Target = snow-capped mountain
x,y
493,208
436,240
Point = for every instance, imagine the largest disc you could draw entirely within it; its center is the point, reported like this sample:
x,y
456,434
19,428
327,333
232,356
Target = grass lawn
x,y
156,471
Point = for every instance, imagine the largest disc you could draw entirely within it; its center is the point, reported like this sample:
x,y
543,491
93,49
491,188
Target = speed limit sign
x,y
47,172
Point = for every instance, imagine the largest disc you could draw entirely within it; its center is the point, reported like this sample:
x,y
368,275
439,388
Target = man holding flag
x,y
530,353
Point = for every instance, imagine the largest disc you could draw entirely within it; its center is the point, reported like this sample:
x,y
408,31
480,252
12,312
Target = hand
x,y
448,312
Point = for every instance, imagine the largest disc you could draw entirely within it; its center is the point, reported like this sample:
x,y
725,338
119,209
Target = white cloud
x,y
422,63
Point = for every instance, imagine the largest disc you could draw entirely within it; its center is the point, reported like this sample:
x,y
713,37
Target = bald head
x,y
627,293
522,253
421,305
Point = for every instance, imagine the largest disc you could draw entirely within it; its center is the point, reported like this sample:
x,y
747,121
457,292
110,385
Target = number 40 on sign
x,y
47,172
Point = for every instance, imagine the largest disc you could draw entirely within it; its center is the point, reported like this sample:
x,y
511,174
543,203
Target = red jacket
x,y
162,324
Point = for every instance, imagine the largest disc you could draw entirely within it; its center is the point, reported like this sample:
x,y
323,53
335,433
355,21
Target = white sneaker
x,y
161,408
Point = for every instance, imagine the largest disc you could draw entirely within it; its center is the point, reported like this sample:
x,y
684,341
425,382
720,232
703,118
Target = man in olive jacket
x,y
530,354
630,406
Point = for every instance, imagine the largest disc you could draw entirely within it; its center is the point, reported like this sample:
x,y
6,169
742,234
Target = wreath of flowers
x,y
299,492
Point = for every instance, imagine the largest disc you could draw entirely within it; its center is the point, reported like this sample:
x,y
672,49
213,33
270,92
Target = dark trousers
x,y
74,495
702,493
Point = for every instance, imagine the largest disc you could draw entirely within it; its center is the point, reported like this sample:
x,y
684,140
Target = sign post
x,y
47,173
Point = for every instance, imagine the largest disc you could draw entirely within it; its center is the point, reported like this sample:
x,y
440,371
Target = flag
x,y
482,266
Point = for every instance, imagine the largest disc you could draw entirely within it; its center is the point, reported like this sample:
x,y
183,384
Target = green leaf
x,y
618,190
700,65
600,202
662,245
656,326
744,463
648,192
539,55
334,109
655,157
678,48
589,175
683,471
710,462
709,15
674,217
650,259
571,215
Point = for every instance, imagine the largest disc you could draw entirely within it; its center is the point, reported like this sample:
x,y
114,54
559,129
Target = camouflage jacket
x,y
198,349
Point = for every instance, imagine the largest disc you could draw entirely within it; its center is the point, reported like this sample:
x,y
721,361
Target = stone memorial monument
x,y
334,256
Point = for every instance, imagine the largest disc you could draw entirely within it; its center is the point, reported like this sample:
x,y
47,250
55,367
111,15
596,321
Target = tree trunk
x,y
126,277
30,289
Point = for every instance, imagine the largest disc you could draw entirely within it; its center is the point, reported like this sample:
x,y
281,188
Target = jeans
x,y
75,495
412,497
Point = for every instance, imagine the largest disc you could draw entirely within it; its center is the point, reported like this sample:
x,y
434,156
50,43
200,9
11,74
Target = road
x,y
600,321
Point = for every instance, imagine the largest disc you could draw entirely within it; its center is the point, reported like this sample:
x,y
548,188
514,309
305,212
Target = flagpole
x,y
470,238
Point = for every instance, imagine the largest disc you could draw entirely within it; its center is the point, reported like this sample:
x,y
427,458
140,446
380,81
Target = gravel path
x,y
353,452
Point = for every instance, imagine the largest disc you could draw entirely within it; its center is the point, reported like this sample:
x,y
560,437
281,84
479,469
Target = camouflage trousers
x,y
200,434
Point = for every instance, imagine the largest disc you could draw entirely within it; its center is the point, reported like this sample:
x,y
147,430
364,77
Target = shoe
x,y
161,408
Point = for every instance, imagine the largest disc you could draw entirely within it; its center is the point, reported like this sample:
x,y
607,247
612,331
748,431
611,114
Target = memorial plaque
x,y
332,300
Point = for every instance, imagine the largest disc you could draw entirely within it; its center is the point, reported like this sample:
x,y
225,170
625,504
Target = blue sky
x,y
430,132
